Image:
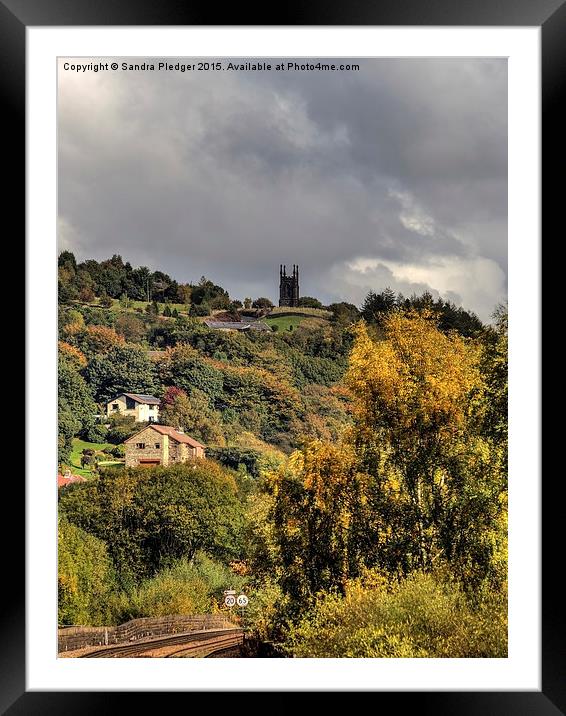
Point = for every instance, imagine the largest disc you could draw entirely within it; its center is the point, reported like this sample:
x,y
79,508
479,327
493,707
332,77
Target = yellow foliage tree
x,y
438,482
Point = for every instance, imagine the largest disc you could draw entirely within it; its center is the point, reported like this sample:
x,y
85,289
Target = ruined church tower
x,y
288,287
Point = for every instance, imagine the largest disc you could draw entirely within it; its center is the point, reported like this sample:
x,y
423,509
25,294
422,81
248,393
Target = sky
x,y
391,176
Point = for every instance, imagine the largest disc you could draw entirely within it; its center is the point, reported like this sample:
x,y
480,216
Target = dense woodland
x,y
355,483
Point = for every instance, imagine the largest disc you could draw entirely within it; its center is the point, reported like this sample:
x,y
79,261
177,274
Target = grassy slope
x,y
75,458
302,311
116,307
285,321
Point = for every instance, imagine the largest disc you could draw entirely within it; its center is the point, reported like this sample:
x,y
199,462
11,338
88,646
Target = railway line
x,y
194,643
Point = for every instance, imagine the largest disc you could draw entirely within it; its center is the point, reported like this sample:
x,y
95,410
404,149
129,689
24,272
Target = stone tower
x,y
288,287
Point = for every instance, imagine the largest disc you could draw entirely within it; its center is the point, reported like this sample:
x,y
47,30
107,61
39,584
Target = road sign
x,y
242,600
230,600
229,591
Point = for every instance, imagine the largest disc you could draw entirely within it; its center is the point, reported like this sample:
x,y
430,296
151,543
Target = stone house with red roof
x,y
161,445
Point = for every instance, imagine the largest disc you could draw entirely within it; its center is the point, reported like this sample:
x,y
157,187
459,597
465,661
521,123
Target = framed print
x,y
249,164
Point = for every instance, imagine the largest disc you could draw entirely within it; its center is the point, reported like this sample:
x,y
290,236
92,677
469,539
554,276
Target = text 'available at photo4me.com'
x,y
212,66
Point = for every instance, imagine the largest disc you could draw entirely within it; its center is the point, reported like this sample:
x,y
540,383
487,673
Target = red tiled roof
x,y
63,481
176,435
171,432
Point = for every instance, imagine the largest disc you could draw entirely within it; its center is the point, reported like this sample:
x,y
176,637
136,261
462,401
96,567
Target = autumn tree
x,y
75,357
439,487
98,340
414,483
131,328
316,499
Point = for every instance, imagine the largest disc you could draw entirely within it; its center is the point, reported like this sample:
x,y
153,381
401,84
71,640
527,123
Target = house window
x,y
115,406
140,446
152,407
157,446
130,403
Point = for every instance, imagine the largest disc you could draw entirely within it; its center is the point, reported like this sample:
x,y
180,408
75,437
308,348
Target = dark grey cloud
x,y
394,175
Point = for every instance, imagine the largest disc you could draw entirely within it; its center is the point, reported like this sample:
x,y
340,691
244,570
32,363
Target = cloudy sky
x,y
395,175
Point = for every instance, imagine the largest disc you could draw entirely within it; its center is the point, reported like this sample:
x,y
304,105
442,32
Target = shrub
x,y
421,616
186,587
121,428
118,451
202,309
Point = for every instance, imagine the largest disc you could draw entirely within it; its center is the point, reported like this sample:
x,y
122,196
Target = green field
x,y
285,322
75,458
302,311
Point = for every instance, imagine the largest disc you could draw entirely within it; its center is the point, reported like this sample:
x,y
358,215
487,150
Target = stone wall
x,y
150,437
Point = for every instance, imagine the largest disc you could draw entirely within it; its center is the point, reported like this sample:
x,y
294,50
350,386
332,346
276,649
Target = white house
x,y
144,408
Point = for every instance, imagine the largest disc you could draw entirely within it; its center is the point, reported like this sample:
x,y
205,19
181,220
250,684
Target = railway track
x,y
195,643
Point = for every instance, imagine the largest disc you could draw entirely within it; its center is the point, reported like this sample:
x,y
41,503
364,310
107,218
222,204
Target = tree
x,y
121,427
105,300
378,305
439,486
131,328
125,301
170,396
344,313
262,302
183,293
414,483
67,427
193,414
494,369
67,260
316,498
309,302
199,309
150,517
141,278
167,310
98,340
74,357
86,294
74,395
86,577
247,302
121,369
208,292
185,368
152,309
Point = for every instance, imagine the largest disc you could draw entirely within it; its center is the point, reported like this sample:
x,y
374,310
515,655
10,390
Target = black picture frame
x,y
550,16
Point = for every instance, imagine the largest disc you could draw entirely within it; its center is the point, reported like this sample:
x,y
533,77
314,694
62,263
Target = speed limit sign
x,y
230,600
242,600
